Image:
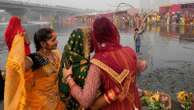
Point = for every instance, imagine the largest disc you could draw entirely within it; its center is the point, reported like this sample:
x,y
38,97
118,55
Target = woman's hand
x,y
67,72
141,65
20,34
99,103
27,41
67,75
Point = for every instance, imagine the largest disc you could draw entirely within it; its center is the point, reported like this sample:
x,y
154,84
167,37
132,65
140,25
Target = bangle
x,y
106,99
69,75
111,95
67,78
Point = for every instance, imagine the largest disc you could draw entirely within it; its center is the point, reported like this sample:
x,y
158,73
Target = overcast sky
x,y
106,4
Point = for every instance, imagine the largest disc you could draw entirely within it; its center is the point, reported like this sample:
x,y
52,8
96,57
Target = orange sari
x,y
32,90
42,88
15,94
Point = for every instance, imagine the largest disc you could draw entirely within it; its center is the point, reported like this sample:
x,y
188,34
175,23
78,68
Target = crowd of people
x,y
74,79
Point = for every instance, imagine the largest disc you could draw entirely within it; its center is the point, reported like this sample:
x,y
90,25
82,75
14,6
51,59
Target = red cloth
x,y
104,33
175,8
192,107
14,27
109,51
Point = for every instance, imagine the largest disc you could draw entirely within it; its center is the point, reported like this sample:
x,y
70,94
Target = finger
x,y
68,71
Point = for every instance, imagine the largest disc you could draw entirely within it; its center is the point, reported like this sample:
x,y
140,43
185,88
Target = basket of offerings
x,y
185,100
156,100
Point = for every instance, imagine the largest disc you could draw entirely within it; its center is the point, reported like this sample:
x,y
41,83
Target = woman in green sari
x,y
76,53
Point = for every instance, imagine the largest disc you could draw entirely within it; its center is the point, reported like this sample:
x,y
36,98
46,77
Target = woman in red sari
x,y
15,27
113,67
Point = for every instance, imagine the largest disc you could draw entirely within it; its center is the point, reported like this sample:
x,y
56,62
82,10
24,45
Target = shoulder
x,y
28,59
37,60
28,62
58,53
130,51
94,70
93,66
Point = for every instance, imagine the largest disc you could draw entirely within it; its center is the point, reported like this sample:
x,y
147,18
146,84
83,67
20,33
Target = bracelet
x,y
69,75
106,99
66,78
111,95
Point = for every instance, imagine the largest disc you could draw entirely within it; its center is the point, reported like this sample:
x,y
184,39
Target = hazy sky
x,y
106,4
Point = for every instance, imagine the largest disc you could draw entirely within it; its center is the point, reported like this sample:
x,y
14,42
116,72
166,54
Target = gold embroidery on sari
x,y
114,75
86,42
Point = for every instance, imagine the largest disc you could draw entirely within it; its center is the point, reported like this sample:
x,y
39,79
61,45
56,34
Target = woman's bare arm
x,y
99,103
28,63
26,39
87,95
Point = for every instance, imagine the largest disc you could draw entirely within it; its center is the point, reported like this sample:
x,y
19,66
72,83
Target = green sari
x,y
76,53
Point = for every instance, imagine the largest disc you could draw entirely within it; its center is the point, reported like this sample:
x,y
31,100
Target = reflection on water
x,y
169,40
168,50
182,31
170,57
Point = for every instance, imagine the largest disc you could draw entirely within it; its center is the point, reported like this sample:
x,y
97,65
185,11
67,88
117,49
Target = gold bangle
x,y
68,78
111,95
65,79
106,99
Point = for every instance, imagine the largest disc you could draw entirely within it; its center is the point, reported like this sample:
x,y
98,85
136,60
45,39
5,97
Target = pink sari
x,y
109,51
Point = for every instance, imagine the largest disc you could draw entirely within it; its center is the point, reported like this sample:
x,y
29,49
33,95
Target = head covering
x,y
109,51
104,35
78,43
14,27
77,53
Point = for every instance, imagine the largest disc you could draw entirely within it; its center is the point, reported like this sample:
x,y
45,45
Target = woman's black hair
x,y
42,35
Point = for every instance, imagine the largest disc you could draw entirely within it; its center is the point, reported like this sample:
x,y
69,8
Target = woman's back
x,y
121,59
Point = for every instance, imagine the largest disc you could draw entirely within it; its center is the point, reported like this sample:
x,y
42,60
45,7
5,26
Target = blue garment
x,y
138,42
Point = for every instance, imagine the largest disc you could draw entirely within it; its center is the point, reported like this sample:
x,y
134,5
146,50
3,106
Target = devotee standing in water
x,y
137,37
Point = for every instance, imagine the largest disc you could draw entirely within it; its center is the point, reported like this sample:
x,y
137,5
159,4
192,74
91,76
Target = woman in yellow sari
x,y
31,82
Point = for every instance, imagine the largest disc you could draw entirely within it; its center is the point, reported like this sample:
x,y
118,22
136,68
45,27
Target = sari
x,y
76,53
14,27
42,84
119,59
35,89
15,93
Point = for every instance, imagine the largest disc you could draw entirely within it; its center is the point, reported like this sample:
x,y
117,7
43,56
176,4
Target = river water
x,y
169,51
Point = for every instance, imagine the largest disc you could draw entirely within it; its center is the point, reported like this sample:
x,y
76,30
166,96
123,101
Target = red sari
x,y
110,52
14,27
119,59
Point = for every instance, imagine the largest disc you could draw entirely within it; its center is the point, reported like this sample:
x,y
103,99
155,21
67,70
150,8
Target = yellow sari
x,y
15,94
42,88
34,90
